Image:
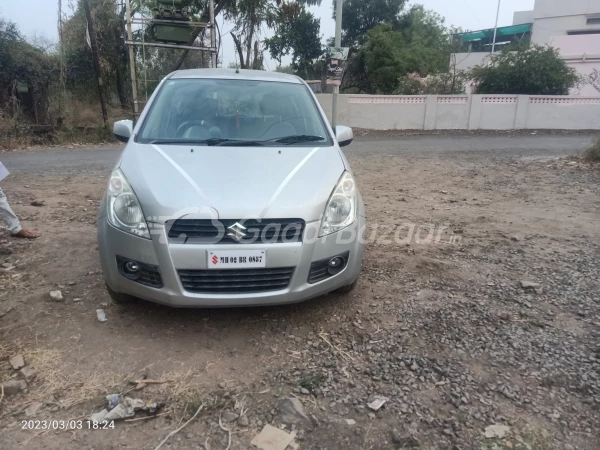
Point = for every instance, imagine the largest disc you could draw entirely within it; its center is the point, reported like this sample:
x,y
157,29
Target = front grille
x,y
237,281
266,231
150,278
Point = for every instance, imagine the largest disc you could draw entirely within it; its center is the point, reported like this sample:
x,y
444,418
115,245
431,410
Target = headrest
x,y
273,105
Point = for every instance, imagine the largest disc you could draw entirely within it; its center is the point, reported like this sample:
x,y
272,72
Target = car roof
x,y
237,74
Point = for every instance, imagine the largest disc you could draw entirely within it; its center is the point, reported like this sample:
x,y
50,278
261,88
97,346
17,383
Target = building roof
x,y
503,33
237,74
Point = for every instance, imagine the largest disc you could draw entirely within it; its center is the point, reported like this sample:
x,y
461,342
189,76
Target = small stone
x,y
38,203
350,421
243,421
304,391
271,438
29,373
13,387
229,416
496,431
17,362
33,409
56,296
77,299
6,310
405,441
529,285
291,412
376,404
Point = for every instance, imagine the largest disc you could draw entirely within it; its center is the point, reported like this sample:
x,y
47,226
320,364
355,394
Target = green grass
x,y
527,438
191,401
312,382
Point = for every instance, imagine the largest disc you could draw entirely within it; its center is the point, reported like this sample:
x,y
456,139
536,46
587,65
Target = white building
x,y
571,26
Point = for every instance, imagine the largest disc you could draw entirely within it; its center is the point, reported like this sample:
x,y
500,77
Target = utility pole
x,y
61,81
131,60
213,38
338,43
496,28
96,61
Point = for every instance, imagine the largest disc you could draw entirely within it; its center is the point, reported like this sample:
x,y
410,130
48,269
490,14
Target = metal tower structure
x,y
170,27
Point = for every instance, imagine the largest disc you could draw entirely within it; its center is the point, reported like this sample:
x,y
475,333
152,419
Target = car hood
x,y
173,181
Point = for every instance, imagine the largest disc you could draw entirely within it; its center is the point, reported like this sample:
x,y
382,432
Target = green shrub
x,y
592,154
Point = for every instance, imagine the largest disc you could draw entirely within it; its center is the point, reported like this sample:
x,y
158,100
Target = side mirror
x,y
344,135
122,130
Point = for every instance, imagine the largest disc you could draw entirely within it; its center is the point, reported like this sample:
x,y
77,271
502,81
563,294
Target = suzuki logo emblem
x,y
215,260
237,232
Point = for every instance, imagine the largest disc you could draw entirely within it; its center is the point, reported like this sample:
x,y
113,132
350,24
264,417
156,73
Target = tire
x,y
119,297
347,289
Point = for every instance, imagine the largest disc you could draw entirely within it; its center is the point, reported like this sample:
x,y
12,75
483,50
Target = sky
x,y
468,14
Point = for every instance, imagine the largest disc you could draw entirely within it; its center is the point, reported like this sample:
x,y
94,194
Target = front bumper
x,y
171,257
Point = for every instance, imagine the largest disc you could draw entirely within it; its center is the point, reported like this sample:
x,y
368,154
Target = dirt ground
x,y
444,329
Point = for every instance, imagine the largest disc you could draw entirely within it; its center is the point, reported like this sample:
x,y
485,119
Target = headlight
x,y
124,210
340,211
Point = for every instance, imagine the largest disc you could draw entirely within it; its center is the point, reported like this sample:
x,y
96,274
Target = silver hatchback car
x,y
232,191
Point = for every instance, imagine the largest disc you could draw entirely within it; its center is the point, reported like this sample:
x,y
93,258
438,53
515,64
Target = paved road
x,y
103,158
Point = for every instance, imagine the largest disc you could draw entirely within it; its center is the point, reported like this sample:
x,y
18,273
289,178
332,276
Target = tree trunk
x,y
256,62
249,46
238,46
96,61
122,63
121,86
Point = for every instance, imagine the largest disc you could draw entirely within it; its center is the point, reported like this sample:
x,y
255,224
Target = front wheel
x,y
119,297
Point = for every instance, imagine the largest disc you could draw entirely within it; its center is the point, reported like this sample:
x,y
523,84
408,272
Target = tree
x,y
594,79
249,17
360,16
26,73
285,69
109,23
300,37
383,59
417,43
96,60
426,40
535,70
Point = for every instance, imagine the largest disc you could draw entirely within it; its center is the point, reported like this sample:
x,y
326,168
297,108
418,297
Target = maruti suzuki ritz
x,y
232,190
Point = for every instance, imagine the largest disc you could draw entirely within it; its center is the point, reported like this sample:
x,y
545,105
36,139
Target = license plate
x,y
237,259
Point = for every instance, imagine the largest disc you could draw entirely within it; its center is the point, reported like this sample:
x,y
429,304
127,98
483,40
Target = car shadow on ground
x,y
304,313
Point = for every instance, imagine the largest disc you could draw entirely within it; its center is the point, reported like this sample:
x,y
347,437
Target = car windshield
x,y
233,112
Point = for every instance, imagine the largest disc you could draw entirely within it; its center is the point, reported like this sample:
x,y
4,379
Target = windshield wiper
x,y
239,143
209,142
297,139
